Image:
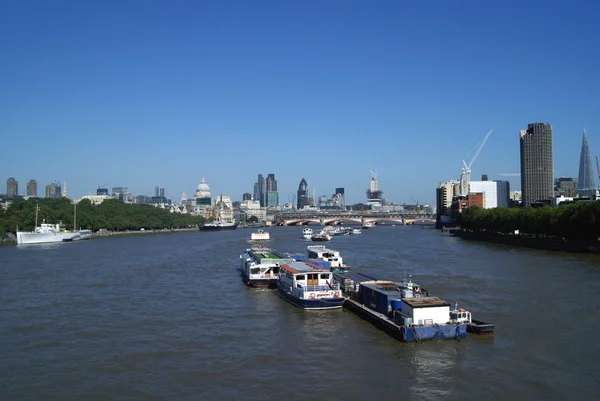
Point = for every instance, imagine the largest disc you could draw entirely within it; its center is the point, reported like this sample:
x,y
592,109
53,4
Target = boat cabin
x,y
324,253
306,276
460,315
426,311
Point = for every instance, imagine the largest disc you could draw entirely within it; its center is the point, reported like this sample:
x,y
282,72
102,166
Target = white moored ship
x,y
45,233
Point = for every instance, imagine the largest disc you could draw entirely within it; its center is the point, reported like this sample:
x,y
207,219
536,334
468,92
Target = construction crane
x,y
416,203
465,177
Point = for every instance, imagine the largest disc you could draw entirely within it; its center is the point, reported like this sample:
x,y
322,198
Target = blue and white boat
x,y
309,286
259,266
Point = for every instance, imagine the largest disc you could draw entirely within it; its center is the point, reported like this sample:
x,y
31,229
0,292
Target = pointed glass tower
x,y
585,181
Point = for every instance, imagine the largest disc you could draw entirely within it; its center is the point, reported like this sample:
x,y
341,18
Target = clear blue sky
x,y
146,93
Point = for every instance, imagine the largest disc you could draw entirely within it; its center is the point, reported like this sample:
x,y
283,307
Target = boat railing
x,y
317,288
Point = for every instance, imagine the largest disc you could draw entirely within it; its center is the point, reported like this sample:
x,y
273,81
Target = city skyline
x,y
351,89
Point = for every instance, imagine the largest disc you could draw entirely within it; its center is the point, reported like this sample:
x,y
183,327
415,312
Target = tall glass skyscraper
x,y
585,181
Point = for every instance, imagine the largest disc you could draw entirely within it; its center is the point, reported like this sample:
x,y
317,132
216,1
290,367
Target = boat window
x,y
325,276
300,277
276,269
255,270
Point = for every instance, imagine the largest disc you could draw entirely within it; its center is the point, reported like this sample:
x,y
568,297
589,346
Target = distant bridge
x,y
332,219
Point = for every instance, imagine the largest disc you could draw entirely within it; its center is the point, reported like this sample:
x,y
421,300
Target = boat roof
x,y
383,287
302,267
266,253
321,249
355,276
424,302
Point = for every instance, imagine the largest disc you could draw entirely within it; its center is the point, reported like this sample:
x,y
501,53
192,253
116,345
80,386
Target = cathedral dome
x,y
203,190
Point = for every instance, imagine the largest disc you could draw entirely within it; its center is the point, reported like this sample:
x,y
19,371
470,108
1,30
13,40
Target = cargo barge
x,y
403,310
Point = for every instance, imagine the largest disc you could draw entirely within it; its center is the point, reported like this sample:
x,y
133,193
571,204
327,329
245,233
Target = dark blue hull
x,y
259,283
408,333
441,332
329,303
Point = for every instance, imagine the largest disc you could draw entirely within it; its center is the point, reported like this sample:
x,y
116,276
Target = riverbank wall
x,y
545,243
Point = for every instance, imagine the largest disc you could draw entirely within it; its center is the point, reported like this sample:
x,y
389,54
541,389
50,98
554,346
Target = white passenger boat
x,y
367,224
334,258
321,236
308,286
260,235
307,233
259,266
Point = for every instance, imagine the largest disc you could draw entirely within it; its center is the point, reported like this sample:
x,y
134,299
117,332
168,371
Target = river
x,y
166,317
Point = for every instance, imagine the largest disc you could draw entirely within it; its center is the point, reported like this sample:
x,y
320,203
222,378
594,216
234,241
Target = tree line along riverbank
x,y
568,227
110,216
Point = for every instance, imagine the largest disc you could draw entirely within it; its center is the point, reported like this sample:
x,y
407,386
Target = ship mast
x,y
37,209
75,219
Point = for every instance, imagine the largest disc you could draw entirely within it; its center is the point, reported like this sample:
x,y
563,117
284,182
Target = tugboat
x,y
473,326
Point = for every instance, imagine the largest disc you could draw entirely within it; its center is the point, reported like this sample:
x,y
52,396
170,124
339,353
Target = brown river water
x,y
166,317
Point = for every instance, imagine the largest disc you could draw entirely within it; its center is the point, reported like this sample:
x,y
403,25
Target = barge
x,y
259,266
404,313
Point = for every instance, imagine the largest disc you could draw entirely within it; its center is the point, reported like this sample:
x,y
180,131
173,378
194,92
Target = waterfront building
x,y
32,188
252,208
12,187
223,209
495,193
246,196
64,192
183,198
537,163
120,193
586,186
565,186
94,199
444,194
102,191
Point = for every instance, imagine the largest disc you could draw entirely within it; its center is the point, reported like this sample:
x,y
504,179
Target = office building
x,y
303,197
537,163
495,193
12,187
32,188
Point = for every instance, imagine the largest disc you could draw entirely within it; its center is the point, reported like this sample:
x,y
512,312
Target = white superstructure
x,y
45,233
323,253
260,235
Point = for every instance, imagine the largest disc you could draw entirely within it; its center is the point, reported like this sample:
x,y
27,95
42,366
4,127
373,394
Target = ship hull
x,y
28,238
218,228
